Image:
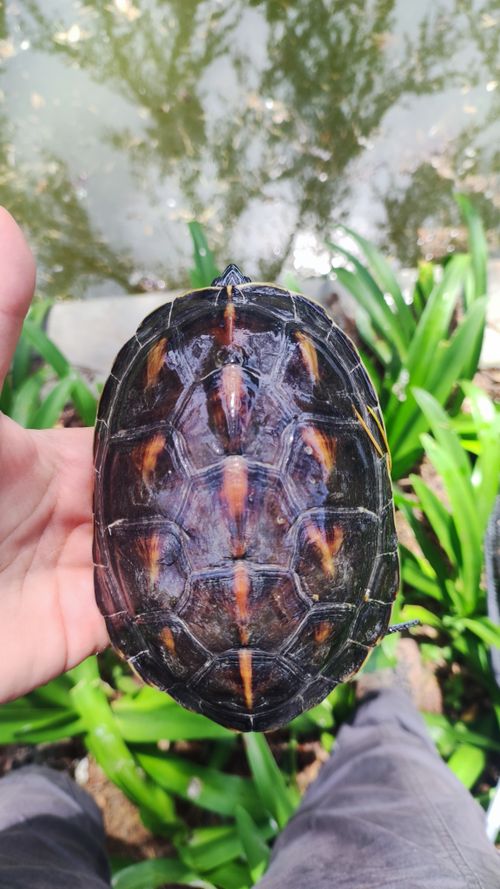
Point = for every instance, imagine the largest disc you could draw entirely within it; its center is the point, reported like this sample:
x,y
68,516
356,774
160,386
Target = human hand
x,y
49,620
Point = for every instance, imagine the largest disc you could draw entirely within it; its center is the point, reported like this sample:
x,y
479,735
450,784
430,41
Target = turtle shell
x,y
244,548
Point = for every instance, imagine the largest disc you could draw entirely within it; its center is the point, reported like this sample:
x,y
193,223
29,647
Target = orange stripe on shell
x,y
234,495
241,591
326,546
232,390
148,551
235,486
322,631
154,364
245,658
229,318
309,355
323,447
145,456
168,638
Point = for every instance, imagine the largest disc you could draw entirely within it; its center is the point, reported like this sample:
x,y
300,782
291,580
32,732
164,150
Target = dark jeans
x,y
385,813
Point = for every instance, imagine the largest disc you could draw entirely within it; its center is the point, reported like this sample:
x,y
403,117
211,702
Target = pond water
x,y
269,122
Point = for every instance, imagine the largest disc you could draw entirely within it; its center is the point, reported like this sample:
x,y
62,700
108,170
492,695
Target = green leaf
x,y
161,719
21,722
155,873
46,348
430,551
371,299
484,629
460,494
432,328
104,741
207,788
256,850
279,800
417,573
212,847
26,399
23,355
85,401
383,275
205,269
486,473
52,407
232,875
439,518
440,727
418,612
423,286
468,764
478,246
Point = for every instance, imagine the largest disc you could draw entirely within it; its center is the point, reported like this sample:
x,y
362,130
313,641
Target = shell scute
x,y
243,607
149,564
171,644
334,553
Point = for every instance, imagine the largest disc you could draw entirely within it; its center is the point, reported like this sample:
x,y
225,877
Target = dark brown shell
x,y
245,552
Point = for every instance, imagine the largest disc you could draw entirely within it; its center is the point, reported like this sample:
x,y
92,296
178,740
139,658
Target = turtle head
x,y
230,275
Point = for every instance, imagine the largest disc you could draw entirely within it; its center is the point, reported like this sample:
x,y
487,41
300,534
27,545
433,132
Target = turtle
x,y
245,552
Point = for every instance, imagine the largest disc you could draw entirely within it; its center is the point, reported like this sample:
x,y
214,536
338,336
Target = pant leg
x,y
51,833
385,813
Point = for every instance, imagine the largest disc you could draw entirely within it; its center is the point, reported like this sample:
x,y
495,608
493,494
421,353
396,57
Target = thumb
x,y
17,284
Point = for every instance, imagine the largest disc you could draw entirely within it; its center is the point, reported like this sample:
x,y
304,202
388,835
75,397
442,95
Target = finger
x,y
17,284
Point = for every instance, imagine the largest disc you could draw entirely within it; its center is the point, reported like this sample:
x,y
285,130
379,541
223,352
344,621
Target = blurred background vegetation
x,y
312,139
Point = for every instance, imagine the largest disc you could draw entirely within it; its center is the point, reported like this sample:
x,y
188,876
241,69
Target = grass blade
x,y
26,399
205,269
207,788
477,244
163,720
256,850
155,873
104,741
39,340
384,277
278,799
371,299
468,764
52,407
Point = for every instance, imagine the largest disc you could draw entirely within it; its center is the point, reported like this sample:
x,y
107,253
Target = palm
x,y
49,620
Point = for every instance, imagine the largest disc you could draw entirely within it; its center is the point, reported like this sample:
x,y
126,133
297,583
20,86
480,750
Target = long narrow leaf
x,y
52,407
279,800
256,850
383,275
477,244
208,788
104,740
205,269
155,873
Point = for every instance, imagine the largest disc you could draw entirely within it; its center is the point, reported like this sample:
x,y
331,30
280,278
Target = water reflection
x,y
268,122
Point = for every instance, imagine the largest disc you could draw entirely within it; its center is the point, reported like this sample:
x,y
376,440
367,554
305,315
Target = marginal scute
x,y
269,679
245,555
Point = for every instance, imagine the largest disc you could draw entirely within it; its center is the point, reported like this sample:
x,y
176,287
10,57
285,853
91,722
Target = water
x,y
269,122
